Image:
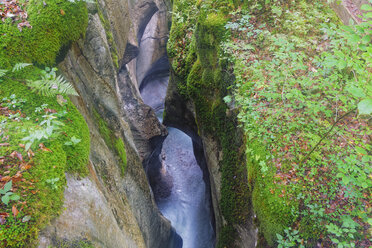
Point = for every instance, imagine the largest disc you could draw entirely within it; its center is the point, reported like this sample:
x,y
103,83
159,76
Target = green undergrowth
x,y
303,87
55,24
37,176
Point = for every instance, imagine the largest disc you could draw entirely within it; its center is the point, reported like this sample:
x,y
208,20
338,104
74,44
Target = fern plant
x,y
20,66
51,85
16,67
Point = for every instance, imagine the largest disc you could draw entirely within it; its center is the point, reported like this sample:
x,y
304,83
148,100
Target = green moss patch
x,y
299,81
114,143
55,23
299,78
38,176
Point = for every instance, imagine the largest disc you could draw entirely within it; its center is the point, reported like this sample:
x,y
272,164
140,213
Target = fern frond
x,y
3,72
64,87
52,87
20,66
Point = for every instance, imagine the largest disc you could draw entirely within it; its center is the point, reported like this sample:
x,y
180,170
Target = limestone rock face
x,y
114,205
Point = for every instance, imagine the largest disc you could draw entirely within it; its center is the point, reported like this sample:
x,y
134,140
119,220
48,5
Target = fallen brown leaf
x,y
25,167
42,147
5,179
16,154
15,211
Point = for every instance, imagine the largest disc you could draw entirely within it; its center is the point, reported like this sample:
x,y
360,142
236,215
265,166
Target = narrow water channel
x,y
180,191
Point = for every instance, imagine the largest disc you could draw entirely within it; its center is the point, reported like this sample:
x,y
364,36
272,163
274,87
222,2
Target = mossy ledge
x,y
114,143
55,25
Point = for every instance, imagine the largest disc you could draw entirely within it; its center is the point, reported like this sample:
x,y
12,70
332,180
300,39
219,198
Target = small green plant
x,y
13,102
53,183
73,141
291,239
51,85
7,194
49,125
41,108
343,235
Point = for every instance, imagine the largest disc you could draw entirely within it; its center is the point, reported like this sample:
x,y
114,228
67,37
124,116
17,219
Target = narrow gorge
x,y
121,70
185,123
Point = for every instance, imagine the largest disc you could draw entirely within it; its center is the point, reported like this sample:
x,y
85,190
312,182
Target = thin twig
x,y
326,134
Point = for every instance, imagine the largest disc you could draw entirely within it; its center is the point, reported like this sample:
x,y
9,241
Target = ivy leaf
x,y
366,39
365,107
341,64
227,99
354,38
366,7
368,15
26,218
5,199
7,187
361,150
357,92
14,197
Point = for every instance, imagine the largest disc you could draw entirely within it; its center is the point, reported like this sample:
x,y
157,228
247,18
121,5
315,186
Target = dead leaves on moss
x,y
14,10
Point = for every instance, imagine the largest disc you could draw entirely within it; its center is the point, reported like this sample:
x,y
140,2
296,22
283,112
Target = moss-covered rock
x,y
114,143
43,183
201,76
55,24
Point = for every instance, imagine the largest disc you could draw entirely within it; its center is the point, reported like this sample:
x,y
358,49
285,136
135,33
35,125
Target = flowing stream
x,y
179,188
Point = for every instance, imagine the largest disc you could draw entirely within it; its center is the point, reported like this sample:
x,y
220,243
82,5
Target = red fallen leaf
x,y
16,154
4,144
42,147
4,214
17,177
5,179
15,211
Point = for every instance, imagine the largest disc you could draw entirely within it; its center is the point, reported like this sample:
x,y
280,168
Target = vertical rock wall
x,y
113,206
